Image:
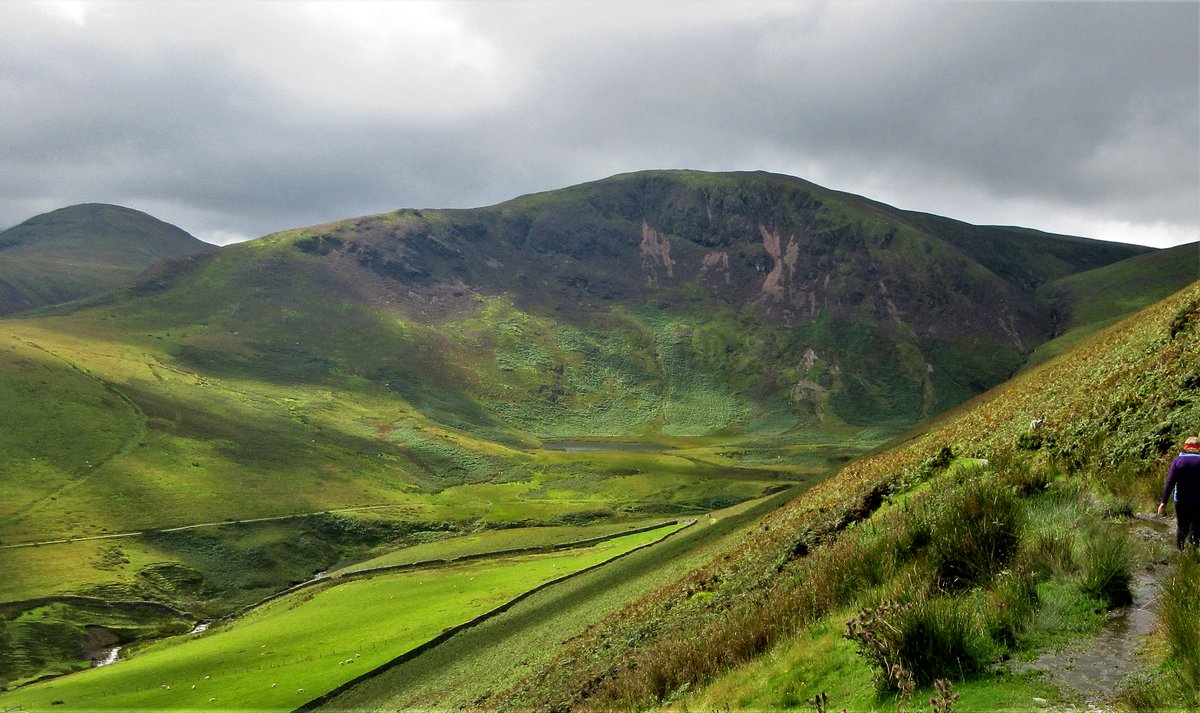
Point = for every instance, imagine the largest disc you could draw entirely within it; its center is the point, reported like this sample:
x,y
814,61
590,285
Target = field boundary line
x,y
450,632
571,545
429,564
194,526
24,604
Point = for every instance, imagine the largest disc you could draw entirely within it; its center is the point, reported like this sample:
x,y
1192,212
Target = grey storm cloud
x,y
233,120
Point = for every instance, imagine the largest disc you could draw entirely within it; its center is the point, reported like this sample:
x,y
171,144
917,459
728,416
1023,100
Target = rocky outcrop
x,y
656,253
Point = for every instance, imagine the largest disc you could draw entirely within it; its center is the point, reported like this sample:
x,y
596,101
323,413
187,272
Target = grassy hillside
x,y
1090,301
184,440
1116,408
81,251
294,649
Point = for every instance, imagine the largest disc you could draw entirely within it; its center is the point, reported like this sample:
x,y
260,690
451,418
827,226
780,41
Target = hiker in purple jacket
x,y
1184,481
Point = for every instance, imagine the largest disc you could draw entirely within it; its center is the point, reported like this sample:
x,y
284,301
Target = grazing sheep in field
x,y
274,685
212,700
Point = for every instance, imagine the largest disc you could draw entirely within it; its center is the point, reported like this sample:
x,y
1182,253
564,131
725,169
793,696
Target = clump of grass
x,y
1026,476
1014,602
1049,552
1147,692
977,533
1180,616
921,641
1108,567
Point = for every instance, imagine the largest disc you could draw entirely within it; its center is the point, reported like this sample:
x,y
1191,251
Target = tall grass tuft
x,y
1014,600
1108,568
1147,692
977,533
1049,552
1024,474
1179,613
921,641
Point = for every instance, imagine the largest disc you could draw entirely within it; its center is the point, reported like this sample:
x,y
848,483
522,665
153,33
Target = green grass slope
x,y
405,369
1116,407
297,648
81,251
1090,301
1108,293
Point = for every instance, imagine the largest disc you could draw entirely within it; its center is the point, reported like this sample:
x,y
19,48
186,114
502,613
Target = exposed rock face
x,y
716,262
656,252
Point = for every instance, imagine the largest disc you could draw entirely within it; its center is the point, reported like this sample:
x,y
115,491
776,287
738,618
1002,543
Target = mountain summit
x,y
82,250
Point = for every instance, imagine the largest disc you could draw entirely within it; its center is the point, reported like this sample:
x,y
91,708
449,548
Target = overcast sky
x,y
235,120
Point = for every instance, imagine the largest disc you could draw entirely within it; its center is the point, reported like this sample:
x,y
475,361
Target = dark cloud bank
x,y
236,120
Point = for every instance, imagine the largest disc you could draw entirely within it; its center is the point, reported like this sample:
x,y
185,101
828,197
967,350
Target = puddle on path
x,y
1096,668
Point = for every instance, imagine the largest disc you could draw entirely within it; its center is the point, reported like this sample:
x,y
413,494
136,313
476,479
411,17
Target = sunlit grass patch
x,y
494,541
287,652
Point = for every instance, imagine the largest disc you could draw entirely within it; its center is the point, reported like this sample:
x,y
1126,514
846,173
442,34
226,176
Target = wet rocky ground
x,y
1091,671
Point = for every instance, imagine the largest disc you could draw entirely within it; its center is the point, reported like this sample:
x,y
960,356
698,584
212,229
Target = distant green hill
x,y
1089,301
702,302
80,251
425,350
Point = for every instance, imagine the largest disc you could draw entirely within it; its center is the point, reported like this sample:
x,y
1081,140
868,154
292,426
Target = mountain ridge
x,y
800,268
